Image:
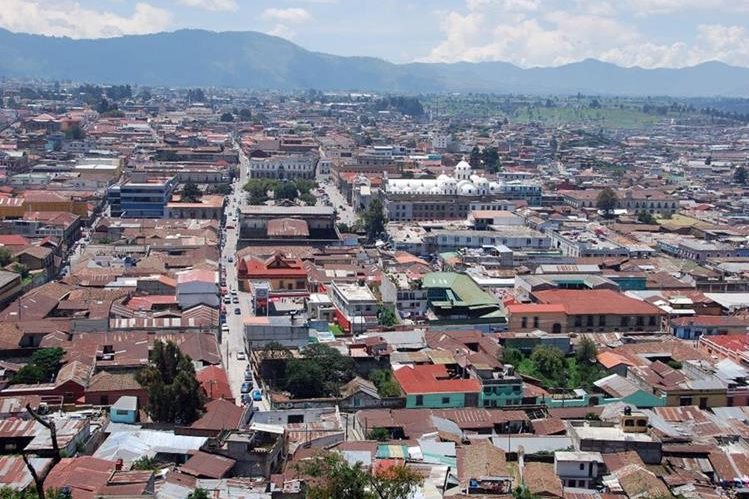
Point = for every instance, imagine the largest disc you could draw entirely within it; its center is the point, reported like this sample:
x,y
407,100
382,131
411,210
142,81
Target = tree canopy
x,y
174,394
740,175
387,385
41,368
374,220
320,372
607,202
334,477
190,192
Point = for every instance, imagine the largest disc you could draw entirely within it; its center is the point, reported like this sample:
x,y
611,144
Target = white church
x,y
462,183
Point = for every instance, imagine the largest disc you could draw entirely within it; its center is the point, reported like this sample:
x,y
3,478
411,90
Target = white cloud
x,y
660,7
211,4
283,18
517,31
61,18
294,15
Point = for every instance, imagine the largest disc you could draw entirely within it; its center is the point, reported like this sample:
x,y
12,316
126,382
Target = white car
x,y
241,356
225,327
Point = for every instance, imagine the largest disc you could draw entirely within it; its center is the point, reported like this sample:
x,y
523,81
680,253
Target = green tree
x,y
144,463
379,434
22,269
522,492
75,132
646,218
607,202
490,156
28,375
336,478
549,362
308,199
49,360
190,192
245,114
740,175
374,220
387,385
198,494
227,118
475,157
303,379
285,190
386,317
174,394
343,227
512,356
319,373
586,351
5,256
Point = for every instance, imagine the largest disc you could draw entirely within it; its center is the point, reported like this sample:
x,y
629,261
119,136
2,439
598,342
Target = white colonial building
x,y
449,196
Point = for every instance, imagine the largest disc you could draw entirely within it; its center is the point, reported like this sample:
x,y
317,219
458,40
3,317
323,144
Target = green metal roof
x,y
461,290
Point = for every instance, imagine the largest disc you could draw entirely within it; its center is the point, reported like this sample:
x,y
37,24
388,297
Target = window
x,y
641,422
651,320
121,412
445,400
640,321
625,321
601,320
295,418
578,320
535,322
524,322
420,400
685,401
589,320
629,422
582,466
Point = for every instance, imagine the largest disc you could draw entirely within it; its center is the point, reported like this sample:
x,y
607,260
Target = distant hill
x,y
255,60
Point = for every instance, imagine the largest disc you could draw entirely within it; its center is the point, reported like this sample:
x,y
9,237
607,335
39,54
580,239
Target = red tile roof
x,y
84,475
219,415
205,465
433,379
596,302
535,308
215,383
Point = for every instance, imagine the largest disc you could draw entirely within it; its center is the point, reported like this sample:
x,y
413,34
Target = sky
x,y
646,33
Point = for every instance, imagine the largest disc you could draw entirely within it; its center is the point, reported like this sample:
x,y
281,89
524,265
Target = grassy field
x,y
606,117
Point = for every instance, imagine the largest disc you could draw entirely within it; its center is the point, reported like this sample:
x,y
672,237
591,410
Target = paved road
x,y
345,211
233,341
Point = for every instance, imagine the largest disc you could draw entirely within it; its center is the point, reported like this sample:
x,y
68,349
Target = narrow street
x,y
345,212
233,340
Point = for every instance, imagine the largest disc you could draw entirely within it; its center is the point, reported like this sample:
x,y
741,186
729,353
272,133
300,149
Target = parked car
x,y
257,395
241,355
235,299
248,375
225,327
237,311
227,299
246,387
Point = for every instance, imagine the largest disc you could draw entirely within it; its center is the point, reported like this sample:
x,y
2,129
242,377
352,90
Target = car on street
x,y
230,259
257,395
227,299
235,299
241,355
237,311
248,375
246,387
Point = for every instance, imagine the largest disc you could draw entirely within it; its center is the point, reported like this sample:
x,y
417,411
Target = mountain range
x,y
250,59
